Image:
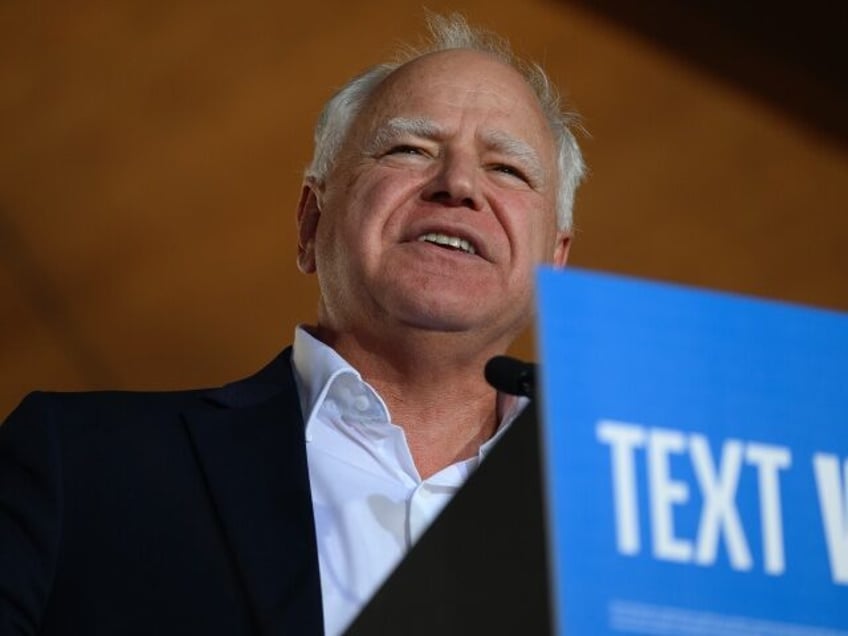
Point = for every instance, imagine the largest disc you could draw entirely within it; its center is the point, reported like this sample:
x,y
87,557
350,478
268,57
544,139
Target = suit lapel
x,y
254,458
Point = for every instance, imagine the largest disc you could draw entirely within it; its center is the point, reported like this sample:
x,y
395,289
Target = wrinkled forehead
x,y
454,81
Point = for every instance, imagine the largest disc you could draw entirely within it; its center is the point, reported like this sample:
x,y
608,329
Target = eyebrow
x,y
518,150
495,140
402,126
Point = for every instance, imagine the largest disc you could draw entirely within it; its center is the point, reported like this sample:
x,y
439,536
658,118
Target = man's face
x,y
440,204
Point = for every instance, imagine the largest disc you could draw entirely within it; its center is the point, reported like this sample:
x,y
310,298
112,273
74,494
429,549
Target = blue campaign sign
x,y
696,449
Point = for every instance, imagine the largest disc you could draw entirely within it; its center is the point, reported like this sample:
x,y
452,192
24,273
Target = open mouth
x,y
448,241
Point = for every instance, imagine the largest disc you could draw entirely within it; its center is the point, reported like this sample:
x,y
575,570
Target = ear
x,y
561,248
308,214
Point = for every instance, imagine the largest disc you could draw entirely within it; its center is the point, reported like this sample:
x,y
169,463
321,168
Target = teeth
x,y
451,241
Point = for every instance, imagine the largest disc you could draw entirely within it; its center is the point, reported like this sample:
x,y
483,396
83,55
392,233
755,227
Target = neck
x,y
434,388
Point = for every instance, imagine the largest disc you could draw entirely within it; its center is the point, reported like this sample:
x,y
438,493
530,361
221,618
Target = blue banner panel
x,y
696,449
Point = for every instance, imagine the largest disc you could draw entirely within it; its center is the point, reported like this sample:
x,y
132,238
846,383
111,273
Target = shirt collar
x,y
317,366
509,408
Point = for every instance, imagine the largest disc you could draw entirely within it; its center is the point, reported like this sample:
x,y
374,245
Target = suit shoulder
x,y
73,413
89,401
129,406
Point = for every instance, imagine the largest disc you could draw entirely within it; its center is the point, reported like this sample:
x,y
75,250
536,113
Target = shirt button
x,y
361,403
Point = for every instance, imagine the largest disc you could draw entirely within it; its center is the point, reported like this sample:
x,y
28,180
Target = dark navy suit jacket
x,y
159,513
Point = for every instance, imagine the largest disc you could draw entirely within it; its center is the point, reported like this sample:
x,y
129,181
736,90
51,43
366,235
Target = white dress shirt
x,y
369,501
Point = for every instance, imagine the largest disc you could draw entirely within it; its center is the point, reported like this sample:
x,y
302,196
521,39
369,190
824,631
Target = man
x,y
279,503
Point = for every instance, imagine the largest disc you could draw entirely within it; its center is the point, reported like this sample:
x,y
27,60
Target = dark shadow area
x,y
793,55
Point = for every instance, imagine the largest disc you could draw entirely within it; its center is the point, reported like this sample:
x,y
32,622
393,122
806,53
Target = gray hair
x,y
446,33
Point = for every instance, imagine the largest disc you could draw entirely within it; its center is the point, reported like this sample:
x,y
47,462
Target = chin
x,y
463,316
449,305
435,315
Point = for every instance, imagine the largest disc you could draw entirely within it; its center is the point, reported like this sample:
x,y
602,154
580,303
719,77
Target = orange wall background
x,y
151,157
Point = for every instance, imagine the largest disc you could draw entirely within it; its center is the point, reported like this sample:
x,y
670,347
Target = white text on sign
x,y
717,480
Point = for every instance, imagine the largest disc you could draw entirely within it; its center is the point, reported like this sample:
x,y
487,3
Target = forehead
x,y
460,89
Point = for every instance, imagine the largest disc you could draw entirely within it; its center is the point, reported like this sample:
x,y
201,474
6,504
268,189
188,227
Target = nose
x,y
456,184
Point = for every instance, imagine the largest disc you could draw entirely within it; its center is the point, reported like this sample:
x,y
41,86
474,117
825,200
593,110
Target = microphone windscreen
x,y
512,376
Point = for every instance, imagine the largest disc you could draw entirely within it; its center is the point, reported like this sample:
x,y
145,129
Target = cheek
x,y
544,232
359,219
531,226
548,238
379,201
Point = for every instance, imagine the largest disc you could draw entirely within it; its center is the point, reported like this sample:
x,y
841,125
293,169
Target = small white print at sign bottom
x,y
660,620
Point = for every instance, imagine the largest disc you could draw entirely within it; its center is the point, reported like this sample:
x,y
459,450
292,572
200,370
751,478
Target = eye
x,y
511,171
405,149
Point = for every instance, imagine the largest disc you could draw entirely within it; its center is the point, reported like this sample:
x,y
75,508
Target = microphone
x,y
512,376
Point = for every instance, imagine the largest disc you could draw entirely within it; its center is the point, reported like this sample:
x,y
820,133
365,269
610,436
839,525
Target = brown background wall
x,y
150,161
